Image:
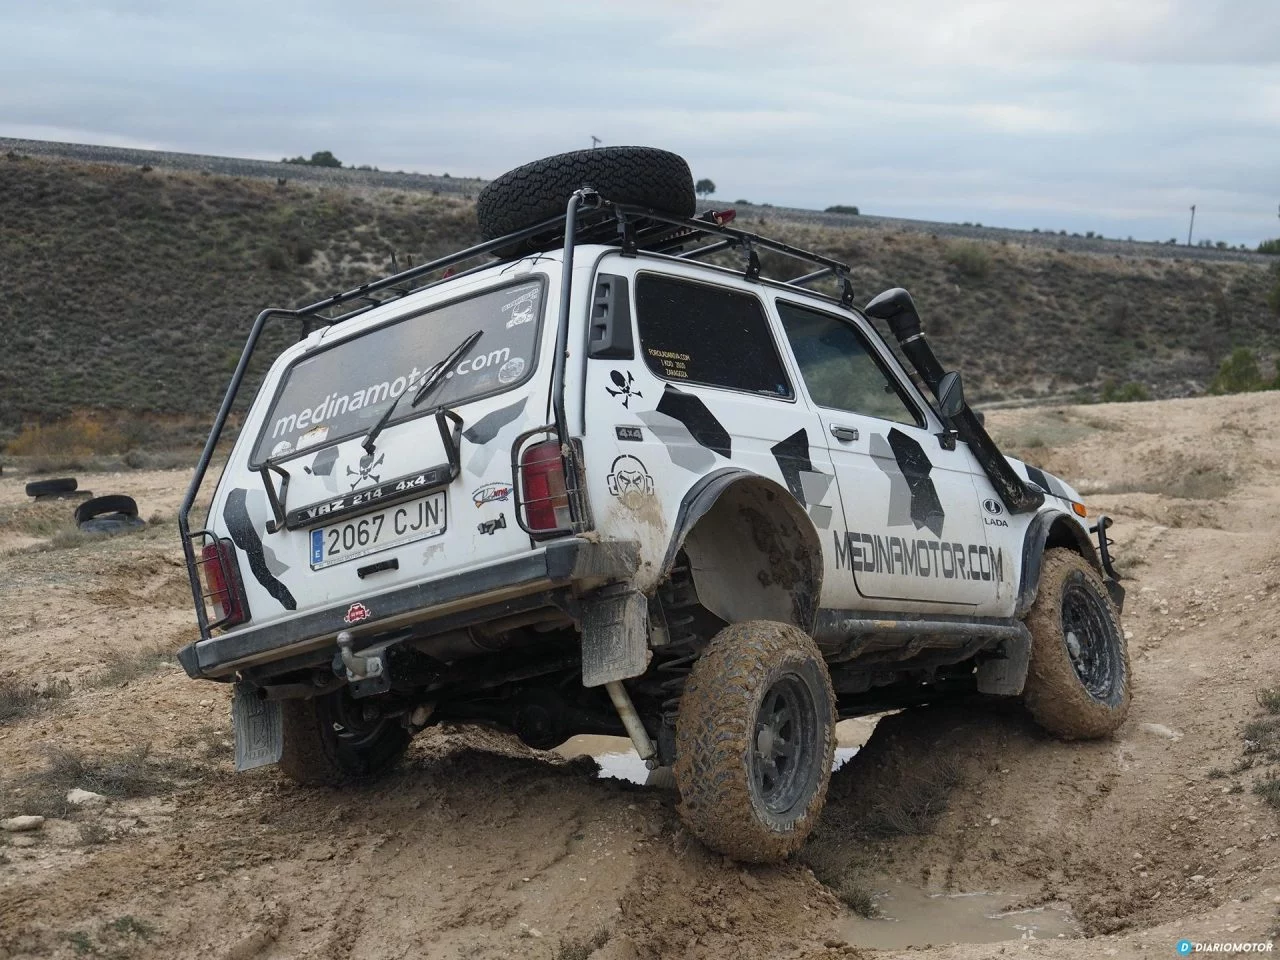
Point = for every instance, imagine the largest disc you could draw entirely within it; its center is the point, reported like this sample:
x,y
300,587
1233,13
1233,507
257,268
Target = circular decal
x,y
281,448
511,370
992,506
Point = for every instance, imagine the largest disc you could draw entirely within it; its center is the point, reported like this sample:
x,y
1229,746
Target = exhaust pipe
x,y
897,309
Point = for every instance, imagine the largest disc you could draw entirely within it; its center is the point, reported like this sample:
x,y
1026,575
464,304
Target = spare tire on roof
x,y
538,191
51,488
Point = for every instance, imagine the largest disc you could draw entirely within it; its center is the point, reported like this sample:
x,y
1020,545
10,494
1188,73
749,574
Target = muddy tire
x,y
1078,683
755,737
538,191
327,741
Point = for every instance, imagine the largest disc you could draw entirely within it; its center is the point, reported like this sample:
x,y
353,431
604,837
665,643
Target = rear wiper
x,y
438,372
433,376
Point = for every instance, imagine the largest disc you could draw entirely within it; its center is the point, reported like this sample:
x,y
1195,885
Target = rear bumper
x,y
574,561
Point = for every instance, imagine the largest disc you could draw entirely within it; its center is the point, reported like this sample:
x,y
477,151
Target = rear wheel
x,y
755,737
1078,683
334,739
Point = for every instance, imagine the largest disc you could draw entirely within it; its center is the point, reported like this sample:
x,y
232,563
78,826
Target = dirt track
x,y
480,848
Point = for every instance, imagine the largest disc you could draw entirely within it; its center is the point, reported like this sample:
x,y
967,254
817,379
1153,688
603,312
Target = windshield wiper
x,y
429,381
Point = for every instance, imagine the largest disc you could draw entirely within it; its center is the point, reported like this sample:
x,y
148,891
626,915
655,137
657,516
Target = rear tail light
x,y
546,501
223,589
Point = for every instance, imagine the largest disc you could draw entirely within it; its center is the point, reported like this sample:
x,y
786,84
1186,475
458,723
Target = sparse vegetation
x,y
321,158
857,898
1240,373
580,949
19,699
1270,246
133,773
1130,392
842,208
972,260
124,666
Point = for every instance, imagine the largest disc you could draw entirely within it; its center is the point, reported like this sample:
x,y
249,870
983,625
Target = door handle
x,y
847,434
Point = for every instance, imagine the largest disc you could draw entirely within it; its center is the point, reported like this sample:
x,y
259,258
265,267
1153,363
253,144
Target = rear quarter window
x,y
700,333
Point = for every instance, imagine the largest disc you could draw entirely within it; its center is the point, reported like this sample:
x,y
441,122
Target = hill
x,y
130,289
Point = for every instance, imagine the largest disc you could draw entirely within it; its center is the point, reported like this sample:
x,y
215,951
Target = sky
x,y
1107,115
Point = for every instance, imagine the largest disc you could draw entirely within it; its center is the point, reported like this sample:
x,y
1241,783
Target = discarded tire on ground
x,y
755,738
538,191
51,488
329,740
1078,683
110,514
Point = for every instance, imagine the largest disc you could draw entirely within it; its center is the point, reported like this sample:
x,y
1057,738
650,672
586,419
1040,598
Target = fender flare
x,y
1042,525
703,496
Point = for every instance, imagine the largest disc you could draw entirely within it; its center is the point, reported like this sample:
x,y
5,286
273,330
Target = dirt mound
x,y
478,847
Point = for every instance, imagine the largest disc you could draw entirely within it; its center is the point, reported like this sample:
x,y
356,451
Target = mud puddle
x,y
911,917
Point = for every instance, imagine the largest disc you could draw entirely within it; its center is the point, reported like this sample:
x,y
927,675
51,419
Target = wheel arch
x,y
753,551
1049,529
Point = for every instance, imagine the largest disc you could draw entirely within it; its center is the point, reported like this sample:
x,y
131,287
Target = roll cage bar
x,y
588,218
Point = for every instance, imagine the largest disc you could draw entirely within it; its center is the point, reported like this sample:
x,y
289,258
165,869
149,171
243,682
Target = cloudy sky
x,y
1106,115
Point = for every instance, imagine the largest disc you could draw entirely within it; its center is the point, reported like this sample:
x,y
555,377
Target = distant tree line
x,y
321,158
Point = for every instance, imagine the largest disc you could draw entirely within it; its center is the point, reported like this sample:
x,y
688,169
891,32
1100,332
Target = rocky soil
x,y
478,847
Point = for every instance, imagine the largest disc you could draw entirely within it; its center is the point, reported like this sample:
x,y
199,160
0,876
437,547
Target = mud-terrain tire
x,y
327,742
730,728
538,191
1083,694
51,488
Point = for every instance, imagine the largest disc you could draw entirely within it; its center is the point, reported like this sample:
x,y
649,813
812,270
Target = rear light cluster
x,y
546,500
221,584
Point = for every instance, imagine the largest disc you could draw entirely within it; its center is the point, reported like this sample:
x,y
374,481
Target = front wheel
x,y
755,738
334,739
1078,683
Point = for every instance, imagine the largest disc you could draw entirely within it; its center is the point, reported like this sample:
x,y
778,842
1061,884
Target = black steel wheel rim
x,y
1090,637
352,727
784,745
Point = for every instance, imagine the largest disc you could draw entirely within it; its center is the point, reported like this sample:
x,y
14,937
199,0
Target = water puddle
x,y
618,759
910,917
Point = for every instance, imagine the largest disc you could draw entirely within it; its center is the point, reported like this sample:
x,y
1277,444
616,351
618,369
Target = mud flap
x,y
1005,674
615,636
259,729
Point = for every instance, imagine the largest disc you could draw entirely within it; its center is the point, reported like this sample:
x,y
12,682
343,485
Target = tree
x,y
704,187
321,158
842,208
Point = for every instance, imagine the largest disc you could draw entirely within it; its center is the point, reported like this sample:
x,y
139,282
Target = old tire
x,y
755,737
112,503
538,191
1078,683
327,741
51,488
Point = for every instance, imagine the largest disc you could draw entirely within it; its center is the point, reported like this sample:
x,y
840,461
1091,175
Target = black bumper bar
x,y
558,564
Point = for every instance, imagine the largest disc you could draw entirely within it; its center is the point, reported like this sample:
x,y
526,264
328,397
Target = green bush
x,y
971,259
1131,392
842,208
1270,246
1240,373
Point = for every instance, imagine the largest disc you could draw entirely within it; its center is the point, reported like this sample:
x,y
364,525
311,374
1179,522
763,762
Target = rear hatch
x,y
371,490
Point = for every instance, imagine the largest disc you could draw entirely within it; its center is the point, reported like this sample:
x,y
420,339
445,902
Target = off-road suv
x,y
601,485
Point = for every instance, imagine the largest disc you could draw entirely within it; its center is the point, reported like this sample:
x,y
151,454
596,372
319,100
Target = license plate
x,y
380,530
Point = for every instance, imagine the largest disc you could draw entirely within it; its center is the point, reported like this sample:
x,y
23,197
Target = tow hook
x,y
358,667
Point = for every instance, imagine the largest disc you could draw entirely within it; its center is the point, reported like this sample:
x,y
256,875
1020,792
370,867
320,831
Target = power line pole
x,y
595,141
1193,224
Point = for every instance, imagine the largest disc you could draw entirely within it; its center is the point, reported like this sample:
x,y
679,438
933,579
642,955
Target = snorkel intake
x,y
898,310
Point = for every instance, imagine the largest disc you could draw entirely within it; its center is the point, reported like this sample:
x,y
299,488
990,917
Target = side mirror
x,y
951,395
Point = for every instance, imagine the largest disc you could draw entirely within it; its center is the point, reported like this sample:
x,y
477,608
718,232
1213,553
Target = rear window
x,y
341,391
699,333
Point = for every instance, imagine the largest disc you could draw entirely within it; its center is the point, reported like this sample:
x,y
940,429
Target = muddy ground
x,y
478,847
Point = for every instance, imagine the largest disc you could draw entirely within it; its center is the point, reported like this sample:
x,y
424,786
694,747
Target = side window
x,y
701,333
840,369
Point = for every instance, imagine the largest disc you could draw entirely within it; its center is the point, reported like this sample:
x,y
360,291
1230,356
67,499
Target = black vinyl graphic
x,y
926,509
626,387
1036,476
700,421
322,465
792,455
244,536
487,427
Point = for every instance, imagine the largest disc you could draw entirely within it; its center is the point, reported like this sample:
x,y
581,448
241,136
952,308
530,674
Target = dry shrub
x,y
81,434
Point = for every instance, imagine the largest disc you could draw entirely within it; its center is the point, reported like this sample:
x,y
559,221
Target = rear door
x,y
431,495
913,535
